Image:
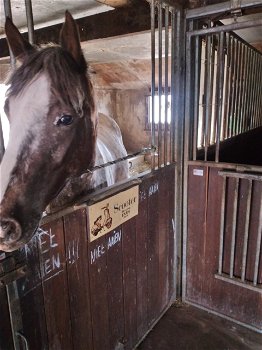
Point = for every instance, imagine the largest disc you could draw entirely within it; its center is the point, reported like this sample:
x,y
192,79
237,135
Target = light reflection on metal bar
x,y
220,70
246,234
238,53
234,224
227,85
153,74
166,82
222,225
173,99
244,76
240,84
231,111
258,244
208,91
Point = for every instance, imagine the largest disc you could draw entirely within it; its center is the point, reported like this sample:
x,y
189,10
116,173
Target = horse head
x,y
51,110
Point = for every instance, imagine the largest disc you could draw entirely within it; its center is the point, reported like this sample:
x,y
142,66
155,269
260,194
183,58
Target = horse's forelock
x,y
68,81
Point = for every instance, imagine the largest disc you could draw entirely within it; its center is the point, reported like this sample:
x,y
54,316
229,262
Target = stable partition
x,y
100,294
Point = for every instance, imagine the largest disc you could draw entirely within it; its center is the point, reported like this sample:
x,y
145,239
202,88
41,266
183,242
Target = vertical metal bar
x,y
230,82
258,245
220,83
238,54
172,89
30,20
227,85
233,91
8,13
258,109
160,24
246,88
240,87
196,95
222,226
243,90
215,68
234,224
253,98
208,93
247,220
249,100
257,91
166,82
153,75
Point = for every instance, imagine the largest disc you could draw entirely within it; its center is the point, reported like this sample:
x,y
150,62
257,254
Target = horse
x,y
55,133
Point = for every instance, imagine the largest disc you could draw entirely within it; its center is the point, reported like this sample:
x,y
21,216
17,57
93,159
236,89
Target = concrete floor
x,y
185,327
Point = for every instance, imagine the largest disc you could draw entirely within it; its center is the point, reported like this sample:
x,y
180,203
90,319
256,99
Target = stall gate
x,y
222,265
66,291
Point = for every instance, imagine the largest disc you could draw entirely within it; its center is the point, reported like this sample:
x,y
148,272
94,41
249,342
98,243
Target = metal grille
x,y
241,230
225,76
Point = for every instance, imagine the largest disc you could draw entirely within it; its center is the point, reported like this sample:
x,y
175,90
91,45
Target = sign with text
x,y
106,215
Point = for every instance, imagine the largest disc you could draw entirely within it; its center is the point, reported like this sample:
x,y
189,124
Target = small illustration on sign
x,y
107,222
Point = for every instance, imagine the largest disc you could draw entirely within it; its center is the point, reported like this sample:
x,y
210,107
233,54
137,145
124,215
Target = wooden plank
x,y
76,239
99,293
197,202
129,281
163,235
55,287
141,260
6,339
153,249
171,245
115,288
31,296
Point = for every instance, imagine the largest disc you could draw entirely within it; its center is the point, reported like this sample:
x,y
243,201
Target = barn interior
x,y
116,39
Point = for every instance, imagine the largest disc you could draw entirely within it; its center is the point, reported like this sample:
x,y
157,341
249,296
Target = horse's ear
x,y
69,40
19,46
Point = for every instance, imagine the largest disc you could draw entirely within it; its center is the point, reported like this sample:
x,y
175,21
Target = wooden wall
x,y
83,295
204,213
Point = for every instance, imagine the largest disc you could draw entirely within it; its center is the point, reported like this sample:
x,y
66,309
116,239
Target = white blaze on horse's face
x,y
27,115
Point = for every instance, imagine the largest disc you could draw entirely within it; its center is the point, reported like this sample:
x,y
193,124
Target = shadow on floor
x,y
185,327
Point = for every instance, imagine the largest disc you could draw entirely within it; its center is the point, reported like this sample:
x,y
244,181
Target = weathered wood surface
x,y
98,295
204,212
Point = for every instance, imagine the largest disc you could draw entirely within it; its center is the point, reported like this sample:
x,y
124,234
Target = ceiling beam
x,y
121,21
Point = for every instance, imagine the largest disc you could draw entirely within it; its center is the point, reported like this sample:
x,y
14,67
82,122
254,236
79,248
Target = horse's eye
x,y
65,119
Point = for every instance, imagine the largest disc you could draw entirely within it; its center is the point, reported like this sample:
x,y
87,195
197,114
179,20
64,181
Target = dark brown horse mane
x,y
70,82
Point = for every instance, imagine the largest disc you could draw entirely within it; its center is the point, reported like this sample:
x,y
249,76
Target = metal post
x,y
227,86
8,13
166,82
153,72
30,20
159,83
172,90
196,95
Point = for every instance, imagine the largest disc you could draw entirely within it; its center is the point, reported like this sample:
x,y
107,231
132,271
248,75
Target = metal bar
x,y
160,77
259,97
153,74
249,102
30,20
222,226
227,85
221,70
234,224
8,13
237,282
247,93
166,82
253,98
258,245
196,95
246,234
241,175
219,8
239,87
257,93
227,28
172,88
233,90
236,82
230,82
230,166
243,85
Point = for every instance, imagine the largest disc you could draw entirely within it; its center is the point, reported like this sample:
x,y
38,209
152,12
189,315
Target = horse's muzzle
x,y
10,232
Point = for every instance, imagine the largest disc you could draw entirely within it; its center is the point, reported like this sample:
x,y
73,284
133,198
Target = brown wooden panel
x,y
6,341
129,281
153,250
55,287
31,296
141,260
99,293
115,288
171,242
76,239
197,197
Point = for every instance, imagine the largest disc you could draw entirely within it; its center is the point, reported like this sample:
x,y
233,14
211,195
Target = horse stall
x,y
110,257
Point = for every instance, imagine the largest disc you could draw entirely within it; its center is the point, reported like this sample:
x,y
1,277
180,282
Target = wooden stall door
x,y
221,278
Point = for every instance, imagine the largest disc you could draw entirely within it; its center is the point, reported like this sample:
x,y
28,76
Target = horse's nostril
x,y
10,230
